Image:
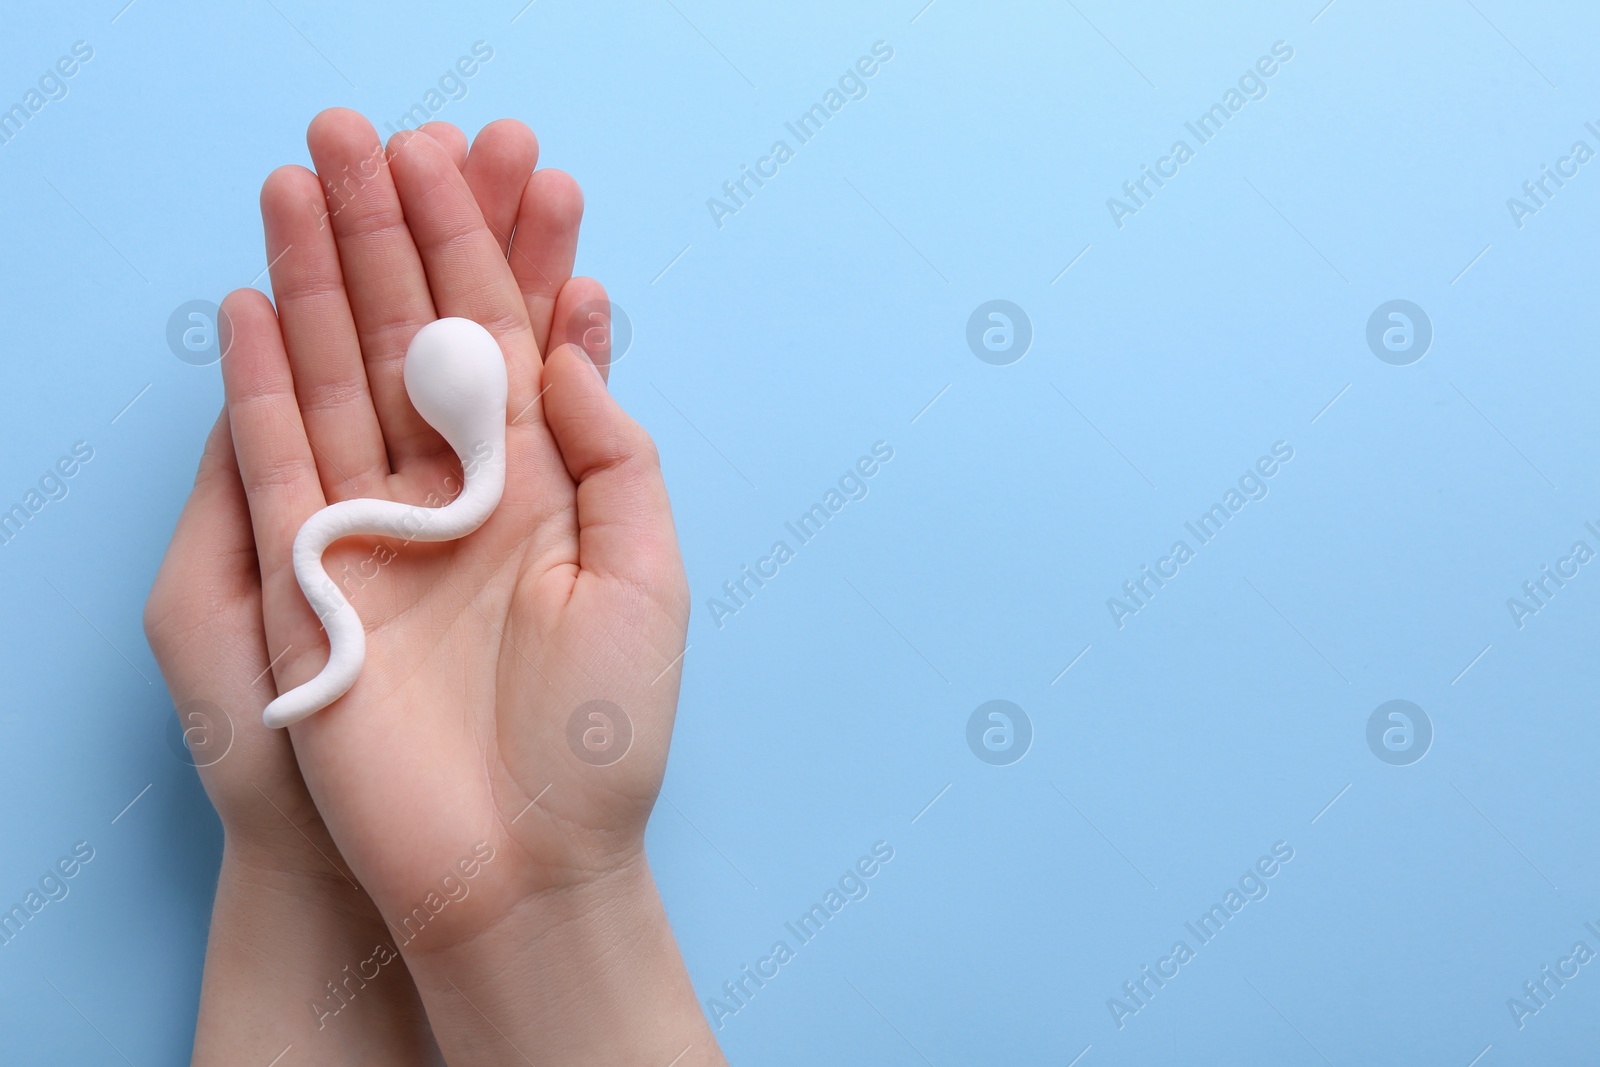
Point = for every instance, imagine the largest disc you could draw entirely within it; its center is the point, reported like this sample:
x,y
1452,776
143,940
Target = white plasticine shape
x,y
456,377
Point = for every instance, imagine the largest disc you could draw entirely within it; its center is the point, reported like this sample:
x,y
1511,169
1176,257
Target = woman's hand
x,y
506,858
289,917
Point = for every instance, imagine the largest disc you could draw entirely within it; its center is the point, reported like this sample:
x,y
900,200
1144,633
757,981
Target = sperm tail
x,y
347,640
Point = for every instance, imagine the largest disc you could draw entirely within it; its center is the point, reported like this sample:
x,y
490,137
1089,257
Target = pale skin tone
x,y
452,745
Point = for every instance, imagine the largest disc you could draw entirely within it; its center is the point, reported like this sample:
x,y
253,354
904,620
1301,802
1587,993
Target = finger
x,y
450,136
383,275
213,531
466,273
214,526
545,245
330,380
497,171
275,460
582,316
624,519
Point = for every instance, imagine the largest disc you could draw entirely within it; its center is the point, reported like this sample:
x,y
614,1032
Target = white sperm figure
x,y
456,377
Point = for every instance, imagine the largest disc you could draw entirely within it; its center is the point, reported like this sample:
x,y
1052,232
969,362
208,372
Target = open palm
x,y
482,651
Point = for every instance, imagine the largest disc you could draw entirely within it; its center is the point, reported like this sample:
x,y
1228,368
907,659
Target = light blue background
x,y
825,316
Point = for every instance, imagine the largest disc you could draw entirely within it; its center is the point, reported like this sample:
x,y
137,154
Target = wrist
x,y
276,833
292,960
291,870
588,973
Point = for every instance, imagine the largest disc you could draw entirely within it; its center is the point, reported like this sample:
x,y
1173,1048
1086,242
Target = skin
x,y
508,872
288,915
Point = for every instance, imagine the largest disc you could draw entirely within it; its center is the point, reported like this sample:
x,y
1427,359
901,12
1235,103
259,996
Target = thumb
x,y
624,518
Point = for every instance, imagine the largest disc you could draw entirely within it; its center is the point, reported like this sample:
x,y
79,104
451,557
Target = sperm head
x,y
456,377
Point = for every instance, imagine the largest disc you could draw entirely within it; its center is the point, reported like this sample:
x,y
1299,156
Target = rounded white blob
x,y
455,375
